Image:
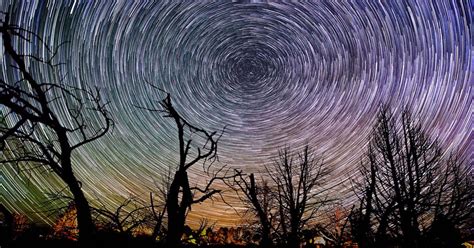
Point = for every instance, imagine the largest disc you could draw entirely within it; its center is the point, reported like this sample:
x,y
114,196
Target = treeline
x,y
411,193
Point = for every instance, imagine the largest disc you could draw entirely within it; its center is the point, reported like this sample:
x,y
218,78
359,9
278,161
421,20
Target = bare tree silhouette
x,y
158,216
130,215
360,217
289,199
43,137
260,200
408,184
180,194
300,193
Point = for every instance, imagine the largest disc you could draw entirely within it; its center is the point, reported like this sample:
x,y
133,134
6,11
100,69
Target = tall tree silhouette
x,y
408,183
181,195
159,208
43,137
299,186
260,200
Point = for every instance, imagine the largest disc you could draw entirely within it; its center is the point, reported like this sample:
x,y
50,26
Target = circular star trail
x,y
274,74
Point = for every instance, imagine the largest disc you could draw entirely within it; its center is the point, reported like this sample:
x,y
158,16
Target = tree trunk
x,y
262,215
84,219
175,230
159,220
266,240
176,218
410,234
293,241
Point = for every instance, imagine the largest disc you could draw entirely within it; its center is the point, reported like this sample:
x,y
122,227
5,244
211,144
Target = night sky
x,y
275,74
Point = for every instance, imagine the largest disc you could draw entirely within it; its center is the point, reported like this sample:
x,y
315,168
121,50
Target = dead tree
x,y
408,182
259,199
300,193
455,192
159,211
158,216
360,217
45,138
181,195
130,215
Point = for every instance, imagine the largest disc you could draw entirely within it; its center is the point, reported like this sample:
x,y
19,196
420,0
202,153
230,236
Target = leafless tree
x,y
361,216
408,184
300,190
159,213
45,138
181,195
159,209
130,215
260,200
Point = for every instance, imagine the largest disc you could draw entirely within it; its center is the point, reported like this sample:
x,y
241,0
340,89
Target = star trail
x,y
273,73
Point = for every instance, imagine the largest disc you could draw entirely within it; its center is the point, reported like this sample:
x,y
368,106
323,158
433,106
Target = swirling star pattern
x,y
275,74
